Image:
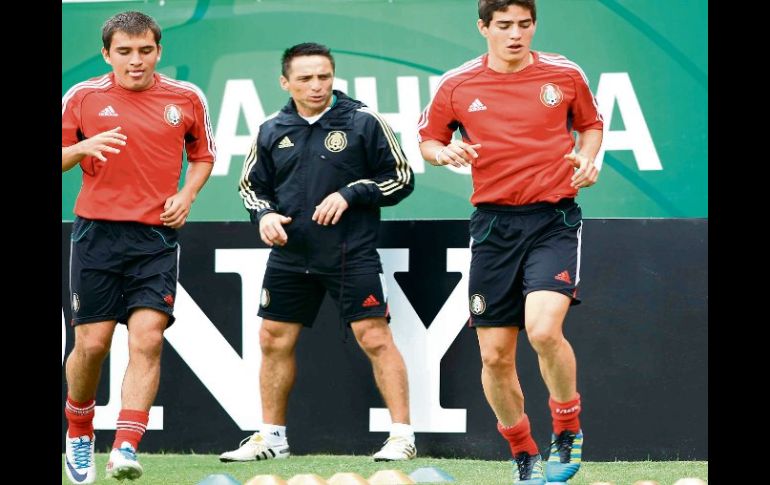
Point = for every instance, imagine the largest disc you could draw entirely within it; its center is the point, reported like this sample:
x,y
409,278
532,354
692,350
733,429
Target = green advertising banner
x,y
646,64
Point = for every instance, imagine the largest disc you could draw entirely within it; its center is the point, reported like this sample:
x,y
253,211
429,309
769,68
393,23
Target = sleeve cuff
x,y
348,194
255,216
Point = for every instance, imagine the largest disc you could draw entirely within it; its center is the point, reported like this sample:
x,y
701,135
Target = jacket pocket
x,y
344,168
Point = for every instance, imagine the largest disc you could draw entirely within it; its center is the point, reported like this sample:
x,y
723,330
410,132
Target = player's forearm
x,y
197,175
429,149
70,156
589,142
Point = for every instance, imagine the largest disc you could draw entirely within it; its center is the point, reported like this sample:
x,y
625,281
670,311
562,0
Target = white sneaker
x,y
79,459
397,448
123,463
256,448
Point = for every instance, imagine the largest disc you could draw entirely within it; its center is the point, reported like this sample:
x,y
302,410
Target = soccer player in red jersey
x,y
128,131
516,110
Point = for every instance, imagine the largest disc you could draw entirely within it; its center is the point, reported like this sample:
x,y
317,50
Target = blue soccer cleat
x,y
528,469
565,456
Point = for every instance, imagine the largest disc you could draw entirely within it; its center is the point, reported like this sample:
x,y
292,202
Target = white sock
x,y
399,429
273,434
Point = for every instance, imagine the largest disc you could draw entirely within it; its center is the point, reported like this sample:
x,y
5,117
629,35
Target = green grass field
x,y
191,469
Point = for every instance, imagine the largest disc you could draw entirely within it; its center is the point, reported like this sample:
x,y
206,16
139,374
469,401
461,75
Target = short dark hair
x,y
487,8
132,23
304,49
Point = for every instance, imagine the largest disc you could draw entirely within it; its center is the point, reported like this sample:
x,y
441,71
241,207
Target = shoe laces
x,y
563,445
399,443
256,438
247,439
81,449
128,452
525,464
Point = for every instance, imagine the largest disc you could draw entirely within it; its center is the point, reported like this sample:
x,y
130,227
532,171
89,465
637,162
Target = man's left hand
x,y
586,172
330,209
177,208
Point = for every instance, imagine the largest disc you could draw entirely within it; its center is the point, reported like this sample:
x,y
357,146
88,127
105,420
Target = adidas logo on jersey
x,y
476,105
108,111
285,143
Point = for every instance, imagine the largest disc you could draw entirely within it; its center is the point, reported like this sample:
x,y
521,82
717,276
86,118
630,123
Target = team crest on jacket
x,y
336,141
551,95
478,304
173,115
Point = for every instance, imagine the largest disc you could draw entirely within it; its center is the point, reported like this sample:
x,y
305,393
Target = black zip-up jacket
x,y
292,166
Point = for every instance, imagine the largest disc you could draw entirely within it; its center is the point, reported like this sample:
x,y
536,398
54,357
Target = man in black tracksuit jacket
x,y
314,181
350,150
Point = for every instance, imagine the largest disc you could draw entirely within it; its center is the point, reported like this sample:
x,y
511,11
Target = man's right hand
x,y
271,229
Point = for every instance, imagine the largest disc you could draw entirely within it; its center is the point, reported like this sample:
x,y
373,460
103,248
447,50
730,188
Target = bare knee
x,y
148,343
544,314
275,341
374,343
269,341
544,341
498,360
373,336
93,346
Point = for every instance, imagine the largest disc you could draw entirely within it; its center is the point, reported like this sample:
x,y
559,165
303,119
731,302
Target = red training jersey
x,y
160,122
523,121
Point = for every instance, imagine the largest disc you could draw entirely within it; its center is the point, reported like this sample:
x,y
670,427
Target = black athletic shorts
x,y
296,297
116,267
519,249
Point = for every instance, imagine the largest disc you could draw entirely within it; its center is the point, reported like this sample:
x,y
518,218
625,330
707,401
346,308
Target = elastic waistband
x,y
527,208
121,223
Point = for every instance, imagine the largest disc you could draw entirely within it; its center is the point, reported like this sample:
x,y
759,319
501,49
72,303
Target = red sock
x,y
519,437
131,427
80,418
565,415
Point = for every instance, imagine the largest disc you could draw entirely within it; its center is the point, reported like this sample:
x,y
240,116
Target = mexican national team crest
x,y
551,95
336,141
478,304
264,299
173,115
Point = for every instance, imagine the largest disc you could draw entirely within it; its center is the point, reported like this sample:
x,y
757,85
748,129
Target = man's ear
x,y
483,29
